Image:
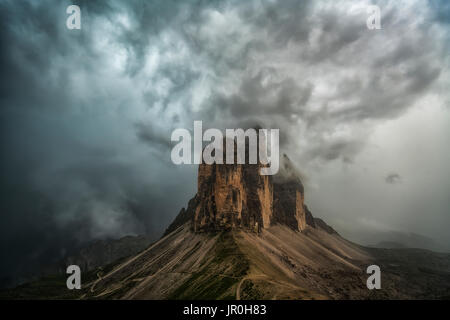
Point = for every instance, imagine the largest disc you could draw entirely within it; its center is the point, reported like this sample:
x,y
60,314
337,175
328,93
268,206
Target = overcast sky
x,y
86,115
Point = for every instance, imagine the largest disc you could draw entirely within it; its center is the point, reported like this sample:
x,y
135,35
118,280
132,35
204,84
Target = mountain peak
x,y
236,196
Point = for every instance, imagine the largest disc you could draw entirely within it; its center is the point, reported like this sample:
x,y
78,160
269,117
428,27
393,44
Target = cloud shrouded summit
x,y
86,115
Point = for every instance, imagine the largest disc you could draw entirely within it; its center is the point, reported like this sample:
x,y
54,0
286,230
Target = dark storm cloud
x,y
393,178
153,137
336,149
285,23
441,10
86,115
65,176
253,97
387,85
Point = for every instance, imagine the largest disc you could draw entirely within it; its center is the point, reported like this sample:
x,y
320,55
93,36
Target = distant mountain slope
x,y
103,252
89,257
397,239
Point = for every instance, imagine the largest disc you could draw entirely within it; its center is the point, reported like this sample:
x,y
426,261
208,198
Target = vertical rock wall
x,y
237,195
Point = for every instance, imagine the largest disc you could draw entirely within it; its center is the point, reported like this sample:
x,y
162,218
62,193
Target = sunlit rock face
x,y
237,196
233,196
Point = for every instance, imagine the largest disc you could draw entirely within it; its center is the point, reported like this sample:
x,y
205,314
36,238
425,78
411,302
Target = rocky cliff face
x,y
233,196
289,207
237,196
